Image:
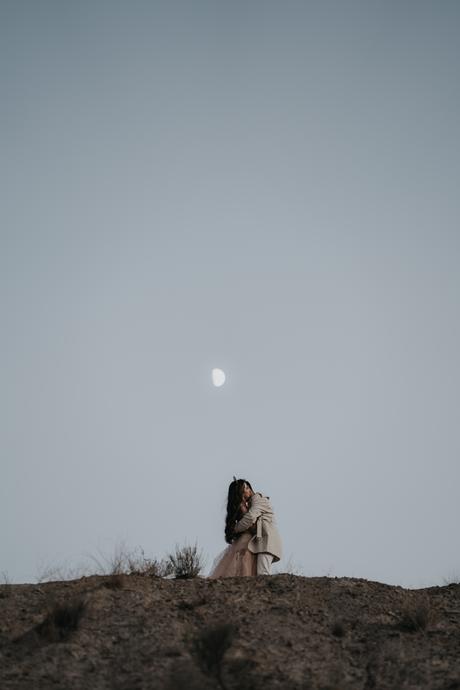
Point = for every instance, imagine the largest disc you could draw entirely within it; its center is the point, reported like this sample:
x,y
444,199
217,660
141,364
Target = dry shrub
x,y
116,581
338,629
125,561
209,646
416,614
149,567
62,620
186,562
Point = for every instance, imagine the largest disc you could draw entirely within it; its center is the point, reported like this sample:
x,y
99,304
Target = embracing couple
x,y
250,531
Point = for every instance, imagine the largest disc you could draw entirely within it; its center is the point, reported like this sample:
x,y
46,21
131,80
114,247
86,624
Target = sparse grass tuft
x,y
5,585
5,578
453,579
209,646
291,567
186,562
117,563
49,573
62,620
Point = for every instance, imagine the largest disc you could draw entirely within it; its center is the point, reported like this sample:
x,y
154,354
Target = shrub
x,y
209,646
124,561
116,581
62,619
147,567
186,562
416,614
338,629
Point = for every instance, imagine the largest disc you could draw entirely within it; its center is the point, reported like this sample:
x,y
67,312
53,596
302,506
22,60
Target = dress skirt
x,y
236,560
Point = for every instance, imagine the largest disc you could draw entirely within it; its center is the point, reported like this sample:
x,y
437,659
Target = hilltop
x,y
126,632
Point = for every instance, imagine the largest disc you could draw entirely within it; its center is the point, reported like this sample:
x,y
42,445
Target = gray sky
x,y
266,187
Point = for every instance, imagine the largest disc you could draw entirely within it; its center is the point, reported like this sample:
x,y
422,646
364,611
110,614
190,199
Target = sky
x,y
266,187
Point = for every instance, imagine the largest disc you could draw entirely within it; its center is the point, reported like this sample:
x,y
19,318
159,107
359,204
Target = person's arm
x,y
251,516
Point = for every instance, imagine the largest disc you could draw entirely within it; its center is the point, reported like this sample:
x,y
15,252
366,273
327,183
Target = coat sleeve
x,y
251,516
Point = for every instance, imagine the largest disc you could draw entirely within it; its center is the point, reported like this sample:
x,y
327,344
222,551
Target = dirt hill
x,y
132,632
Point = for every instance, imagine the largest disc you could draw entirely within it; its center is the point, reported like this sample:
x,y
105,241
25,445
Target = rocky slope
x,y
130,632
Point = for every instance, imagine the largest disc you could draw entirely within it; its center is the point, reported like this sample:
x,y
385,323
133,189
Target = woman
x,y
236,560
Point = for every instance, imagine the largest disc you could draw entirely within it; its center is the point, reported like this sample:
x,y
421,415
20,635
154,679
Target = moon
x,y
218,377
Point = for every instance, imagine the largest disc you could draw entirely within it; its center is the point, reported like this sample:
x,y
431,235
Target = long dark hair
x,y
235,496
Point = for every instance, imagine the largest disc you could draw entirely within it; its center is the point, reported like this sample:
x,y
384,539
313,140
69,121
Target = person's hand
x,y
243,507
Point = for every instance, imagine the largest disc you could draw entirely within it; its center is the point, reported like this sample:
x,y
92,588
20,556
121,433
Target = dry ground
x,y
284,631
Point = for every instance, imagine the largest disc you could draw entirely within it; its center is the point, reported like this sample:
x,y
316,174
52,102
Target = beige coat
x,y
267,538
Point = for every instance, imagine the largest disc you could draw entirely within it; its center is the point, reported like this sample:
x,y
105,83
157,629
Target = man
x,y
266,543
